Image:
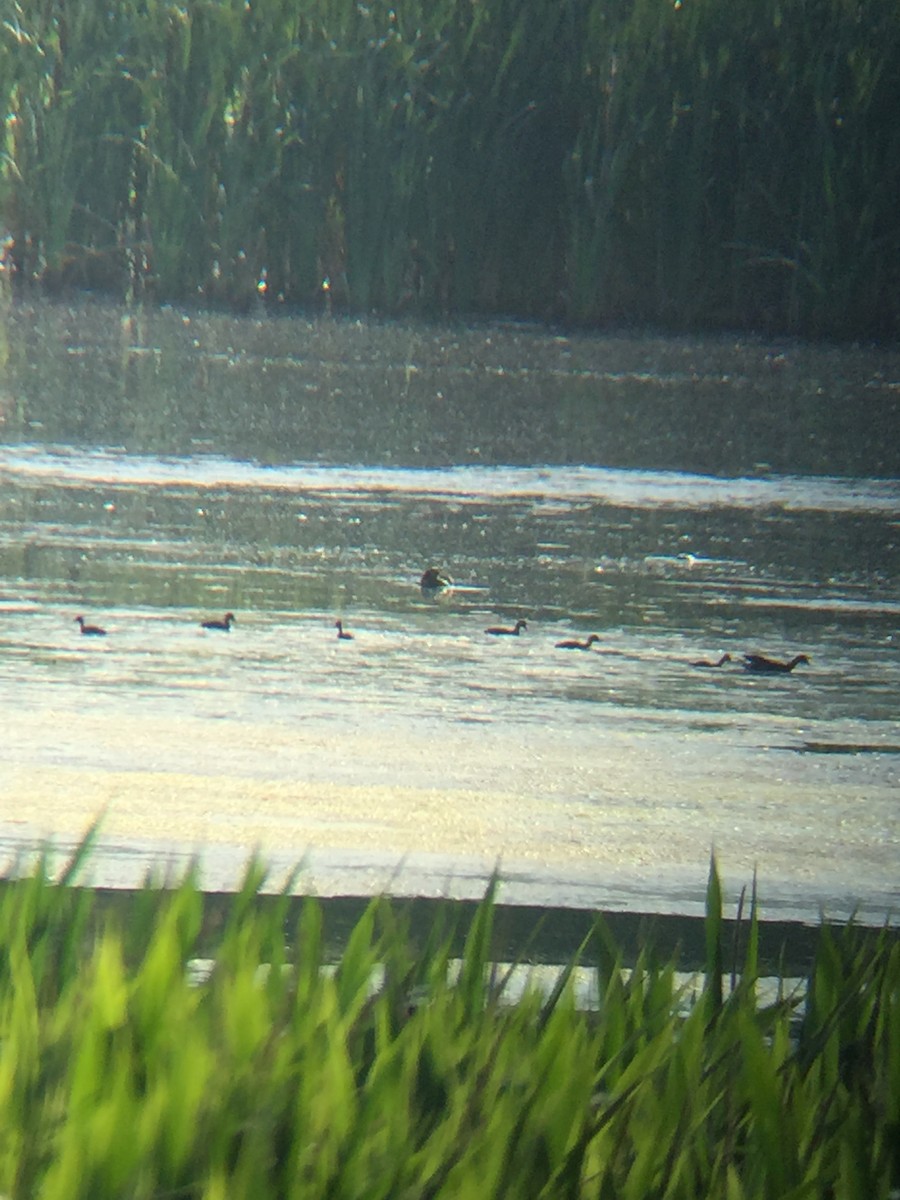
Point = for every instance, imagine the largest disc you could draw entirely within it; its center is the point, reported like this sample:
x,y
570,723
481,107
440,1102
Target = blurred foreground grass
x,y
402,1071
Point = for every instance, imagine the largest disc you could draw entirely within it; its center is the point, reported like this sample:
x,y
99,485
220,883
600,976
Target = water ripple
x,y
66,466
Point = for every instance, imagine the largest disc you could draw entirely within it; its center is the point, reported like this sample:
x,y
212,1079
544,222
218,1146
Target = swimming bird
x,y
500,630
758,664
434,581
89,630
224,625
343,636
705,662
574,644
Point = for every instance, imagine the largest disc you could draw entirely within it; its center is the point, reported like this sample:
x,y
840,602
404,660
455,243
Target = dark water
x,y
681,499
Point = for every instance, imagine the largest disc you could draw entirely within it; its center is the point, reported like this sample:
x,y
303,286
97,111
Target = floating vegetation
x,y
126,1073
688,164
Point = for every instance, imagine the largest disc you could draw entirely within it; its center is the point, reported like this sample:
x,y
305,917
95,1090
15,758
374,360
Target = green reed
x,y
684,163
399,1072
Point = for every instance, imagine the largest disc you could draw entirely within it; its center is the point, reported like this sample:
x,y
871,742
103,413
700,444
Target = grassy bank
x,y
687,164
122,1075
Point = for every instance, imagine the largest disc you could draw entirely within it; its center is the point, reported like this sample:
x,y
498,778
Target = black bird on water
x,y
758,664
705,662
343,635
89,630
575,644
502,630
224,625
434,581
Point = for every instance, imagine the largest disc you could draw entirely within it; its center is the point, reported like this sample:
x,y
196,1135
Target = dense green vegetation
x,y
689,163
125,1073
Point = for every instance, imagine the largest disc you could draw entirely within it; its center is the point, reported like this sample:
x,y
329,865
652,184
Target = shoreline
x,y
528,934
353,875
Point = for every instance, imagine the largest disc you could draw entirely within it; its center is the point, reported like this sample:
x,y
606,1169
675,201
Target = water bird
x,y
758,664
705,662
343,635
224,625
575,644
89,630
434,581
502,630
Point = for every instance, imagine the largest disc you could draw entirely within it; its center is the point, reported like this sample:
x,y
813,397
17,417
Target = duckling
x,y
89,630
575,644
224,625
705,662
758,664
501,630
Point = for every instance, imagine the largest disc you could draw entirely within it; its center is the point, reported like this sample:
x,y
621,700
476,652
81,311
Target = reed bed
x,y
276,1073
678,162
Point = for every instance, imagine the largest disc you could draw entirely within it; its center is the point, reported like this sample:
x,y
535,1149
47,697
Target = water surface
x,y
680,499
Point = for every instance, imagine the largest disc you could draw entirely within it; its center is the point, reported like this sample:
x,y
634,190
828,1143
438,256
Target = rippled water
x,y
671,497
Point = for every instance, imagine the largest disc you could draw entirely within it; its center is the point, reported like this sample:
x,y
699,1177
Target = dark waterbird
x,y
506,630
758,664
89,630
343,635
434,581
575,644
705,662
224,625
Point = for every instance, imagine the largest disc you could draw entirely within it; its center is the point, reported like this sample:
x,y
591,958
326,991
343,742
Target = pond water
x,y
681,499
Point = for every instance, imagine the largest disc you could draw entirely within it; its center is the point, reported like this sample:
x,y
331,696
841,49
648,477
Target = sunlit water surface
x,y
156,471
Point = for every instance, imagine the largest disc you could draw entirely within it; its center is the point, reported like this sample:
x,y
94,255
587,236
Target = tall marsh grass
x,y
682,162
122,1074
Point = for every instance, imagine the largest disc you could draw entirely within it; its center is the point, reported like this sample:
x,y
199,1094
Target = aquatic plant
x,y
127,1068
683,163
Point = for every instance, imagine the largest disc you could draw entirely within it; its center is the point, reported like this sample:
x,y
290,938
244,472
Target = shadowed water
x,y
681,500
